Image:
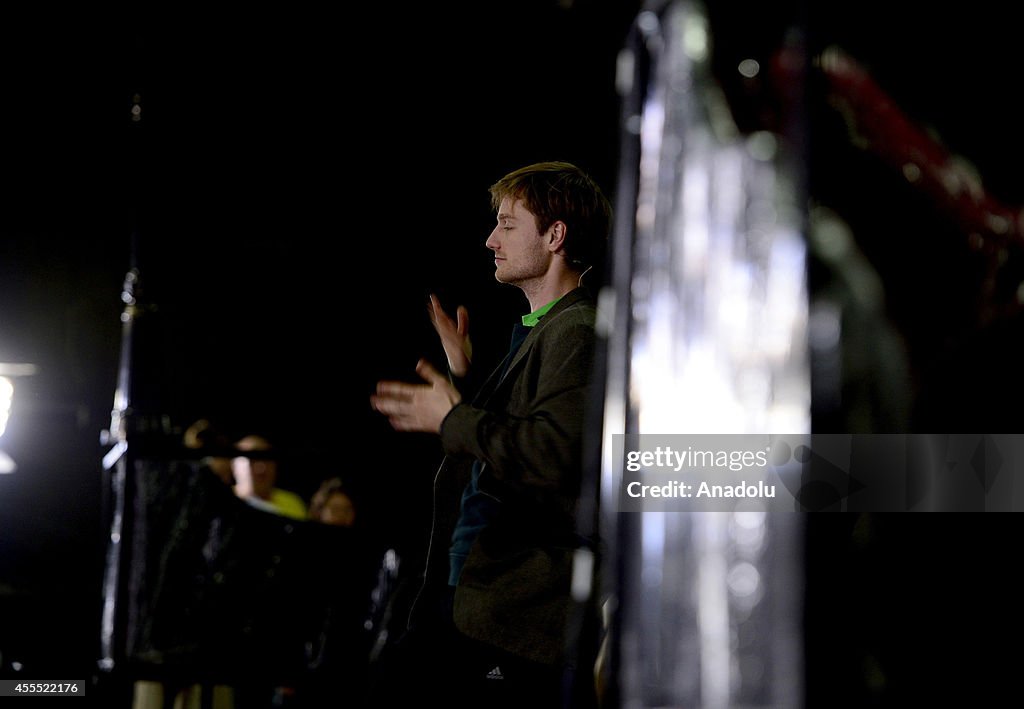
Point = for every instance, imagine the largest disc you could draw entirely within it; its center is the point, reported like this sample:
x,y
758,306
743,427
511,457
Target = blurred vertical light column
x,y
7,464
8,372
713,315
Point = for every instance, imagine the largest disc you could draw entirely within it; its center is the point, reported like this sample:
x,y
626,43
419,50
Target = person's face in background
x,y
254,477
338,510
264,477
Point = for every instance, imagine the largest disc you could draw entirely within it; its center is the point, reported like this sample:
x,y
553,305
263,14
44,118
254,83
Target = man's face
x,y
520,251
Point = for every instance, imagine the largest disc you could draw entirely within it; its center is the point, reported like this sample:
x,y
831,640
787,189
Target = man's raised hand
x,y
454,335
417,407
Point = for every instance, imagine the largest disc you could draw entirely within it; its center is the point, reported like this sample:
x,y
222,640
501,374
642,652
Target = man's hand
x,y
417,407
454,335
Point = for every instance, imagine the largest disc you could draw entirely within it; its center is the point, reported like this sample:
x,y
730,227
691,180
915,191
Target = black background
x,y
302,177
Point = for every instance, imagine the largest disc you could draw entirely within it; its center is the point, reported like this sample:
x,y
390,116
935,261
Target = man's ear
x,y
556,236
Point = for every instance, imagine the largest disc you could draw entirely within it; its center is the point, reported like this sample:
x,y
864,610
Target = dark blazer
x,y
527,429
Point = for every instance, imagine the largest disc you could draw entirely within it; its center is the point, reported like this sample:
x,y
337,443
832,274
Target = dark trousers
x,y
433,663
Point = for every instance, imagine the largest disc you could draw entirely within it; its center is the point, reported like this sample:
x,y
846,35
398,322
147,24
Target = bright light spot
x,y
998,224
625,72
695,39
748,530
749,68
17,369
762,145
6,395
648,22
743,579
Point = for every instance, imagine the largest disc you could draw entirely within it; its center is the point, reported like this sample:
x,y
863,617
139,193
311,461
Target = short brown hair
x,y
560,191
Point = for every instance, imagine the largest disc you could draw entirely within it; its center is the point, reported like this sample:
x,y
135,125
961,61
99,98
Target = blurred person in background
x,y
332,503
211,441
256,479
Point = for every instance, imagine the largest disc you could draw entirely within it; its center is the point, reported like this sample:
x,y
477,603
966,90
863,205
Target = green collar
x,y
531,319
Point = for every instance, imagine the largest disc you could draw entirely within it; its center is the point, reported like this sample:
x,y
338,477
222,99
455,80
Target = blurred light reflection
x,y
717,344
